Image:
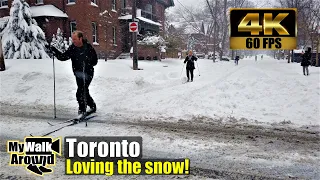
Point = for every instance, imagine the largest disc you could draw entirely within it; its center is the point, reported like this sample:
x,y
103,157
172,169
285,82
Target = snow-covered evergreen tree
x,y
23,39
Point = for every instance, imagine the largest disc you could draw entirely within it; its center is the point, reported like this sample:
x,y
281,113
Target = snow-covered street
x,y
256,120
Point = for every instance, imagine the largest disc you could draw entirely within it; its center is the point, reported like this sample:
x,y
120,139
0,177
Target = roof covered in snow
x,y
47,10
126,17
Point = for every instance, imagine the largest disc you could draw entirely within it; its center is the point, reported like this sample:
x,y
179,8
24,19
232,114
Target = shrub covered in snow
x,y
23,39
60,42
152,40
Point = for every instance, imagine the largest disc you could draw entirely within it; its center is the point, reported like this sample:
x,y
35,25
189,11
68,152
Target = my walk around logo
x,y
92,156
35,153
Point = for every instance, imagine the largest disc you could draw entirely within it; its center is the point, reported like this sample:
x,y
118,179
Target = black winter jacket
x,y
306,57
190,62
83,58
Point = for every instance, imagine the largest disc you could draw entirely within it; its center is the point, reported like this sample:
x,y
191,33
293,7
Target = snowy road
x,y
216,150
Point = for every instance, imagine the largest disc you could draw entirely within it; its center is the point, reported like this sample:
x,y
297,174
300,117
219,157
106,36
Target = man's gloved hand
x,y
49,47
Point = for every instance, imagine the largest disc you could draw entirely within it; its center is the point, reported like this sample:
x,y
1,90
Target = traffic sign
x,y
133,27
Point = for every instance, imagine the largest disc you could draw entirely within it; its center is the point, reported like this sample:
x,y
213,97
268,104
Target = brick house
x,y
104,22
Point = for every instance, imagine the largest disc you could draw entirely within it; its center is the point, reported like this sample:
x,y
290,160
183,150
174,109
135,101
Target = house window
x,y
123,4
148,8
94,32
73,26
114,35
114,4
71,1
4,3
39,1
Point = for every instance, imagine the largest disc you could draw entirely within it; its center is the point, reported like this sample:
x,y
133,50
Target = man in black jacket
x,y
190,64
305,62
83,58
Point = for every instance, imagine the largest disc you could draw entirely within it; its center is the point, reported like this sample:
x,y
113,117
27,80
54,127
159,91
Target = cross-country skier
x,y
305,62
83,58
190,64
236,60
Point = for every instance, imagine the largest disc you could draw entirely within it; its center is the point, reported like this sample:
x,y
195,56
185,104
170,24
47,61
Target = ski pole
x,y
54,89
182,70
198,68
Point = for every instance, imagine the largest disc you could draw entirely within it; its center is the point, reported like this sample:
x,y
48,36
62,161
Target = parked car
x,y
200,55
225,58
210,56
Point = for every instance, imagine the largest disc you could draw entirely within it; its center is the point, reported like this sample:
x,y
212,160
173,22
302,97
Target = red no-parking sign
x,y
133,27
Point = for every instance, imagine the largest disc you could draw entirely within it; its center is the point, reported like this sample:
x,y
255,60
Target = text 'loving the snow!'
x,y
116,156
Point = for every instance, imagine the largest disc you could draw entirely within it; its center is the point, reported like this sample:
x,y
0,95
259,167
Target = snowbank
x,y
267,91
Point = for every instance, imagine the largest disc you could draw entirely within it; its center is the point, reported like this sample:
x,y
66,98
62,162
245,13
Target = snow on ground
x,y
266,91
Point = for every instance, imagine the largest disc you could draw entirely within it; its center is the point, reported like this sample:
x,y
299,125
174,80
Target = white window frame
x,y
114,5
71,1
72,22
114,35
1,1
94,32
39,2
94,1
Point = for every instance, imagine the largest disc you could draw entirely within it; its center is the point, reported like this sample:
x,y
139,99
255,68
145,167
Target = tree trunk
x,y
225,28
317,52
2,65
289,57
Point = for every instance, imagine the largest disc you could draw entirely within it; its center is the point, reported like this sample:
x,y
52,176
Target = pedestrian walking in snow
x,y
305,62
261,57
190,65
83,58
256,57
236,60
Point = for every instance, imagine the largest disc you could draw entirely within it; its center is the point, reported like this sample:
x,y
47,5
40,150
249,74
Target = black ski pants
x,y
83,96
191,73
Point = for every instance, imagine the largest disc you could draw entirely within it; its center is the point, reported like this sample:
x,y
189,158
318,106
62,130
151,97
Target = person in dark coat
x,y
236,60
305,62
190,64
83,58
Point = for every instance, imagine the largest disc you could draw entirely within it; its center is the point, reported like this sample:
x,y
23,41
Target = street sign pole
x,y
134,37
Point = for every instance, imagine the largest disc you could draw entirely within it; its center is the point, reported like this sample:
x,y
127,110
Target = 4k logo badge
x,y
35,153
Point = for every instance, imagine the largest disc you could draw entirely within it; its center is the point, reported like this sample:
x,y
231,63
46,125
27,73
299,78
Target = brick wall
x,y
148,52
84,14
6,11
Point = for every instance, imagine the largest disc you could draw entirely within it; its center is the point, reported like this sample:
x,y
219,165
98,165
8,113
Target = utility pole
x,y
134,37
